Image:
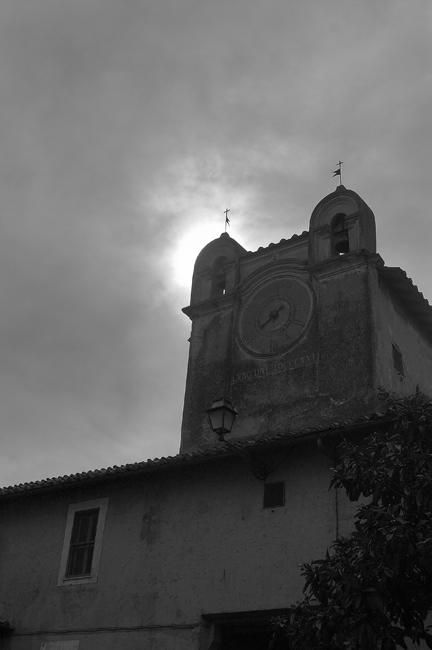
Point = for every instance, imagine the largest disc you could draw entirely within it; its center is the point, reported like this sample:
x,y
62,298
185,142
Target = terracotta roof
x,y
204,455
304,234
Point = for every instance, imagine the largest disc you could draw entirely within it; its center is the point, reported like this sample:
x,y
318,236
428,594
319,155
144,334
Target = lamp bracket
x,y
259,467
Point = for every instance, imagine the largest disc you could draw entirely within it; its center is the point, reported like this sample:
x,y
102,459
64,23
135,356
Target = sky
x,y
127,128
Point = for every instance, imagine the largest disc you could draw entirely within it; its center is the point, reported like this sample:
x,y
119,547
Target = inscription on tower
x,y
276,368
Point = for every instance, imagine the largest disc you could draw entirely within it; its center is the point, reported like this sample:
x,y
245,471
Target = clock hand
x,y
272,316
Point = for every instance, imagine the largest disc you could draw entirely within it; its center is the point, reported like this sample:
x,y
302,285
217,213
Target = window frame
x,y
102,506
397,358
266,495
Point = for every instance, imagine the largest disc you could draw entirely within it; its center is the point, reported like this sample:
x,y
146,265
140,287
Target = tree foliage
x,y
374,588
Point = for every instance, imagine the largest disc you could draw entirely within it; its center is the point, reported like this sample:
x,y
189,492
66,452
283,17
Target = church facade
x,y
202,549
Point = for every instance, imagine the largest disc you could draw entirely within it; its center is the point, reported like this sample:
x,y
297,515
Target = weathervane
x,y
338,172
227,221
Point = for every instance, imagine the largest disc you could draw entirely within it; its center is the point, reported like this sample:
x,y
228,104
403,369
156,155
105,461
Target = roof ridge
x,y
280,242
189,457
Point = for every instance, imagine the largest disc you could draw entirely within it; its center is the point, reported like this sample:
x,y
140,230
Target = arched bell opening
x,y
218,277
339,235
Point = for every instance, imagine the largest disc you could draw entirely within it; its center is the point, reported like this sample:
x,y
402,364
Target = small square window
x,y
274,495
82,542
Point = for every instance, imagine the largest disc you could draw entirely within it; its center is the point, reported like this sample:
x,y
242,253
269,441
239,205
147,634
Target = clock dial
x,y
275,316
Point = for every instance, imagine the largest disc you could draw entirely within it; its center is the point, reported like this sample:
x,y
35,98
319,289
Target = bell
x,y
341,242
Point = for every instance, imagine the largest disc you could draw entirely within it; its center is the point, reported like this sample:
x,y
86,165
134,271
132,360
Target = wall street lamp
x,y
222,415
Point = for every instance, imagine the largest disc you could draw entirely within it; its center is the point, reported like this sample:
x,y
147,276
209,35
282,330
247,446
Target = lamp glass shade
x,y
222,415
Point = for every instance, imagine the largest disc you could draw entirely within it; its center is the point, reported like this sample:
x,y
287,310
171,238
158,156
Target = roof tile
x,y
156,463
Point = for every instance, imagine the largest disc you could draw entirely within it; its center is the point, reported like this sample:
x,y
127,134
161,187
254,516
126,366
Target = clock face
x,y
275,316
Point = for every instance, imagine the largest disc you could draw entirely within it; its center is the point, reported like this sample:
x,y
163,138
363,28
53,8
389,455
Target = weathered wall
x,y
332,374
393,324
207,376
177,544
214,357
343,342
327,376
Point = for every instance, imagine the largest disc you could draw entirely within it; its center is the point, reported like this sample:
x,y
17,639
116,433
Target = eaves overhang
x,y
362,425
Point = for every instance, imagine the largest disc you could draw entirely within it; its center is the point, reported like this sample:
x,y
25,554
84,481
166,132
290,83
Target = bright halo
x,y
188,247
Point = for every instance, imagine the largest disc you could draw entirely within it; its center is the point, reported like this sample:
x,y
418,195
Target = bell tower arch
x,y
214,274
341,223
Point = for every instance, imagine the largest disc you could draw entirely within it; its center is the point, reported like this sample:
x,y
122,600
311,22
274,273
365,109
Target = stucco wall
x,y
177,544
345,346
326,376
393,324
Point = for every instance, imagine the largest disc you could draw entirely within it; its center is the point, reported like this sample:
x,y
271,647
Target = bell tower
x,y
303,332
341,223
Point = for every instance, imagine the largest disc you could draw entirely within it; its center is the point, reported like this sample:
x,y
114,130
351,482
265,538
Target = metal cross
x,y
338,172
227,221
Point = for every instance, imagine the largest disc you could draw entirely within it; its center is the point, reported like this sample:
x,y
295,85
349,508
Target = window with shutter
x,y
82,542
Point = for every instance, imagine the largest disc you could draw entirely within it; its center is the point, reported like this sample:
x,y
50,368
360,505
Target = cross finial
x,y
338,172
227,221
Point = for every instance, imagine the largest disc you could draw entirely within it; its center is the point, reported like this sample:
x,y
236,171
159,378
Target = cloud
x,y
127,130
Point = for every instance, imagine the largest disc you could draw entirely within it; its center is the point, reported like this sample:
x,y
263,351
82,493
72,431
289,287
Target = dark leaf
x,y
374,588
